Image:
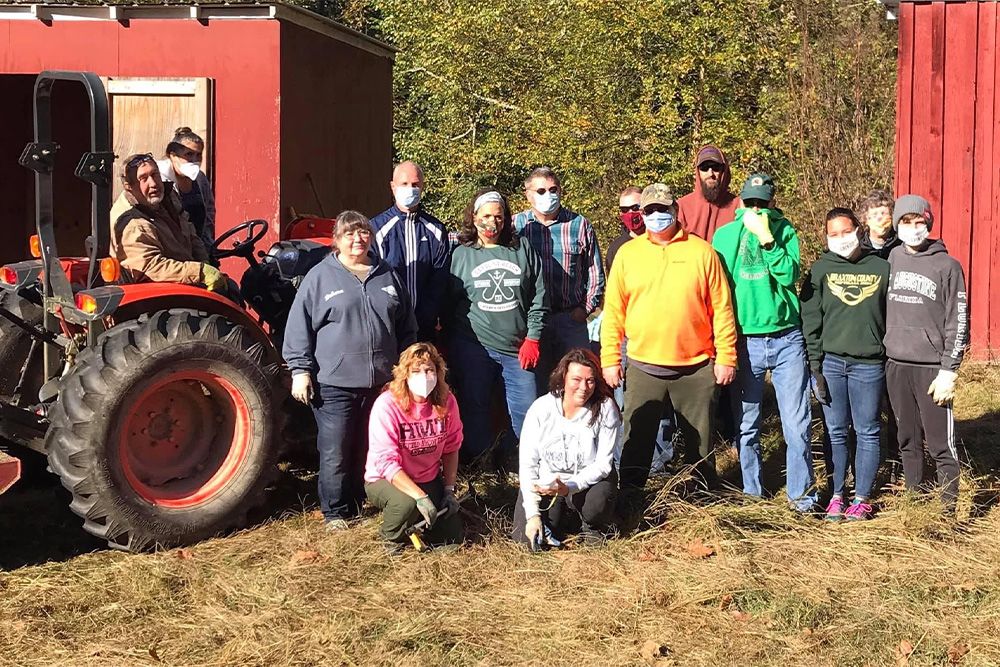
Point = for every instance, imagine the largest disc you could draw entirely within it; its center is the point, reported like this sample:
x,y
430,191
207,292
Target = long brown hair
x,y
409,360
469,235
602,390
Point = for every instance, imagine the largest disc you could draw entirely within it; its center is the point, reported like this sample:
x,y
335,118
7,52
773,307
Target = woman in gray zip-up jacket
x,y
347,325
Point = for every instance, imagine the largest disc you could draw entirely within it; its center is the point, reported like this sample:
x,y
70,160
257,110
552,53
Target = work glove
x,y
759,225
534,532
214,279
820,388
942,389
529,353
427,510
302,387
449,504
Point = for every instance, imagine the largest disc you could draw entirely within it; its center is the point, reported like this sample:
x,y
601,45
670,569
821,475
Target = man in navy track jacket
x,y
415,244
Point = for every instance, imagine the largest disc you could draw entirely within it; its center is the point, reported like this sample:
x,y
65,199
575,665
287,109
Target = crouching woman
x,y
567,450
414,436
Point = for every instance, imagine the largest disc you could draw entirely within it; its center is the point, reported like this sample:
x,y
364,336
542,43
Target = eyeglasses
x,y
710,166
360,233
626,209
541,191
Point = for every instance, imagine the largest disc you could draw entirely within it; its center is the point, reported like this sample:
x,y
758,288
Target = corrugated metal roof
x,y
209,10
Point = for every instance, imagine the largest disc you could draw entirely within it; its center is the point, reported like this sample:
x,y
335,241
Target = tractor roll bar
x,y
95,167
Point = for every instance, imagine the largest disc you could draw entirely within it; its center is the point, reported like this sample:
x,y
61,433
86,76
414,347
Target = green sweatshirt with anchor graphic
x,y
763,279
496,295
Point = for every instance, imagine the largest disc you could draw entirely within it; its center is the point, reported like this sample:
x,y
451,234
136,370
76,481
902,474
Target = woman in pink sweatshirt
x,y
414,436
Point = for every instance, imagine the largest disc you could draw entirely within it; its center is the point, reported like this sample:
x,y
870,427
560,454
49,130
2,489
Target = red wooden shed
x,y
296,109
948,141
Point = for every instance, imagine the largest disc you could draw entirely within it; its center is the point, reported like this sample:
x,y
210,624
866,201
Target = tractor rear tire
x,y
15,344
167,430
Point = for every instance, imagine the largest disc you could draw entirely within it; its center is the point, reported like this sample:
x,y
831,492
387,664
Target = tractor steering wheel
x,y
255,230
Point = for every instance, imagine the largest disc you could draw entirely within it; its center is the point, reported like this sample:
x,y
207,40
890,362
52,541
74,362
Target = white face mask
x,y
913,236
547,203
843,245
406,197
421,384
190,170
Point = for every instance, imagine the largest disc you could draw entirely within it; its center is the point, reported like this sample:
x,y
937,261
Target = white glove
x,y
302,387
758,225
942,389
533,530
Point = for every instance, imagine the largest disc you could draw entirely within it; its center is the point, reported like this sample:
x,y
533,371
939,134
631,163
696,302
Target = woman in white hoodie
x,y
182,167
567,451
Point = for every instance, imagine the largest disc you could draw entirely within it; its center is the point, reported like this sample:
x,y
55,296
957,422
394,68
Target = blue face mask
x,y
657,221
547,203
407,197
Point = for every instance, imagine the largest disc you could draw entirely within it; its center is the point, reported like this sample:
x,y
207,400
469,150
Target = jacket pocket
x,y
911,344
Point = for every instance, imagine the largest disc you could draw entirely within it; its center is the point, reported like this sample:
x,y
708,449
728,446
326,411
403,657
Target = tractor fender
x,y
147,298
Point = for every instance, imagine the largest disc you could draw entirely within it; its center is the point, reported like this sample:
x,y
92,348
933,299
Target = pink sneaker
x,y
835,510
858,511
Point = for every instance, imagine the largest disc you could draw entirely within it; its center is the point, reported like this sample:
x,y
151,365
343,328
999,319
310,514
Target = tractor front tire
x,y
166,432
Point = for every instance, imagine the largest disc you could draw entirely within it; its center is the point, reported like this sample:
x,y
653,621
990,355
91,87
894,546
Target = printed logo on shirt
x,y
912,282
752,264
390,290
421,438
330,295
565,452
853,288
501,279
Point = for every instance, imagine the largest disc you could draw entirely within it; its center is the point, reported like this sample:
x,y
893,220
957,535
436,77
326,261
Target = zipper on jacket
x,y
368,324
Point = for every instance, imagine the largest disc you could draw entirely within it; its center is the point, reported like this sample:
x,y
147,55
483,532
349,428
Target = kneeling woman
x,y
414,436
568,444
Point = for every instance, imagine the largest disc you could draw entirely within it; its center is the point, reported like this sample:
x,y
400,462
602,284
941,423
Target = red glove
x,y
528,354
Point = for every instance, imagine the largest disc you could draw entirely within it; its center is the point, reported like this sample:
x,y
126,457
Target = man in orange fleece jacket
x,y
668,294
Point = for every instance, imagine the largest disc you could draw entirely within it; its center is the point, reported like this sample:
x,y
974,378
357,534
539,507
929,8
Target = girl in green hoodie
x,y
843,320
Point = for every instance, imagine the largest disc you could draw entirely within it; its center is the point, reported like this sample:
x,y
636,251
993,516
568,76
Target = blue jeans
x,y
855,398
784,354
561,334
342,439
475,370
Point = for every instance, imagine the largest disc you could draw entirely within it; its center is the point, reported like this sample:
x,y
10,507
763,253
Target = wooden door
x,y
145,113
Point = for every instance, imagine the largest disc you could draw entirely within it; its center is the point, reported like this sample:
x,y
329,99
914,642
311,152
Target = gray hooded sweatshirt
x,y
347,332
927,313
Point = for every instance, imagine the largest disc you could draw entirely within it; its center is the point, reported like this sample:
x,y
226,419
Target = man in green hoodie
x,y
760,251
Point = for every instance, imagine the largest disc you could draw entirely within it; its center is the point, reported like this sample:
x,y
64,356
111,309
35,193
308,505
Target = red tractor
x,y
158,405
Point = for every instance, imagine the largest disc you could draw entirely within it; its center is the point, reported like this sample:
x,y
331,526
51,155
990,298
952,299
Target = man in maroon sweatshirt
x,y
711,205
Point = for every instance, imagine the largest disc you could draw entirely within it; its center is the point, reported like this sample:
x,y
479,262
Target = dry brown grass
x,y
721,584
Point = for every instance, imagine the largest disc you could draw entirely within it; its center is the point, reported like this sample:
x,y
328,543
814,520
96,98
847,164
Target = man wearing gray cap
x,y
678,358
927,331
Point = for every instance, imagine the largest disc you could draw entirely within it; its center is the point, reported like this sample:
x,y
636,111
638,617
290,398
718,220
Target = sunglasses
x,y
140,159
626,209
541,191
710,166
656,208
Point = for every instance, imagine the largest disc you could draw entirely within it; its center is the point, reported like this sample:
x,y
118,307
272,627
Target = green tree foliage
x,y
616,92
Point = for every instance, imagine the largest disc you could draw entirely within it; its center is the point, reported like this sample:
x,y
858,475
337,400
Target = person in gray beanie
x,y
927,331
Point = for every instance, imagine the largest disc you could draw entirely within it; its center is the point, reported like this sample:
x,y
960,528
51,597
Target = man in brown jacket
x,y
152,237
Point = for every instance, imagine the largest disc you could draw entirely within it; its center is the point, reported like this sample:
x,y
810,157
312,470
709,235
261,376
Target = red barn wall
x,y
241,56
948,142
336,126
